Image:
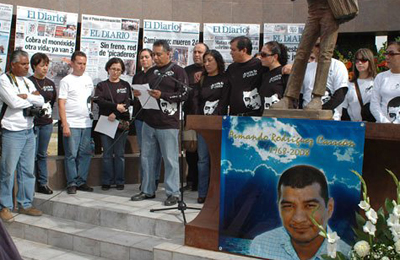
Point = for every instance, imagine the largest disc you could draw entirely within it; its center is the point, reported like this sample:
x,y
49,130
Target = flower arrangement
x,y
377,234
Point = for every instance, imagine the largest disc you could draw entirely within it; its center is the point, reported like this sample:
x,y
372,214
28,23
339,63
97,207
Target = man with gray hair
x,y
20,103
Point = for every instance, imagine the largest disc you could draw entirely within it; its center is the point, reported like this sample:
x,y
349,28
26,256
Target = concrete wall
x,y
375,15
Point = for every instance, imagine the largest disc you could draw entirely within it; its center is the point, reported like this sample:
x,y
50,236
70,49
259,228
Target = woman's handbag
x,y
190,140
344,10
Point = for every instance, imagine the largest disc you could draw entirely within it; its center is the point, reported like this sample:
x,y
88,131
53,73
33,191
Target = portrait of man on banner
x,y
277,175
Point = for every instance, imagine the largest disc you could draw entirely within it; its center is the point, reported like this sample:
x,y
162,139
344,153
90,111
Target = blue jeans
x,y
154,142
18,154
203,166
139,126
43,135
113,158
78,153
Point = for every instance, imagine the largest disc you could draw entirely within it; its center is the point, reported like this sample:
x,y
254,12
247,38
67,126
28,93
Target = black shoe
x,y
120,186
201,200
142,196
71,190
44,189
105,186
171,200
85,187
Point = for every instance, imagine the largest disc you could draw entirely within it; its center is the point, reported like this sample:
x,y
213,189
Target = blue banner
x,y
276,173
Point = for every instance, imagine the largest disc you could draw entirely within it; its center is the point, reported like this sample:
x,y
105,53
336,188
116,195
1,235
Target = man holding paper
x,y
161,126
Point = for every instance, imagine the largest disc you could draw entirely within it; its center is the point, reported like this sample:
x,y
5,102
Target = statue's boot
x,y
315,104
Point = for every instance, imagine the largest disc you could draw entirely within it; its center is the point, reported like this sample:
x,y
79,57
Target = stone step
x,y
30,250
171,251
85,238
114,209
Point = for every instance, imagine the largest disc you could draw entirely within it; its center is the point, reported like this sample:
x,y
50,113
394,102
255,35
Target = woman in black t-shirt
x,y
113,97
211,97
44,124
274,56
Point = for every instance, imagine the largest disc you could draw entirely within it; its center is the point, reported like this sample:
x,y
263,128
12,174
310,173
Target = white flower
x,y
332,244
395,229
385,258
362,248
372,216
396,210
369,228
397,246
392,220
364,205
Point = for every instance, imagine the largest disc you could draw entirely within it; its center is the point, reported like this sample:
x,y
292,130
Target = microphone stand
x,y
181,203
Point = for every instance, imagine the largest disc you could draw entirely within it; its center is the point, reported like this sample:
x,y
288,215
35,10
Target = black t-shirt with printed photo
x,y
211,95
273,86
47,89
245,80
172,94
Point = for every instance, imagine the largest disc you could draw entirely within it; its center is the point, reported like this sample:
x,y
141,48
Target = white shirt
x,y
386,87
338,77
76,90
13,119
351,102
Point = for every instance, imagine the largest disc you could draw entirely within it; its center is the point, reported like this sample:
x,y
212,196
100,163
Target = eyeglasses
x,y
391,54
361,60
116,70
264,54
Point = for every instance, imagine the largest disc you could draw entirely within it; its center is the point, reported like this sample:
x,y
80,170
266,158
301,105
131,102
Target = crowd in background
x,y
247,87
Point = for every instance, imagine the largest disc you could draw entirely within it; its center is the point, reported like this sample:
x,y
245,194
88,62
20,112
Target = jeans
x,y
78,153
203,165
43,135
113,158
320,23
154,142
139,126
18,154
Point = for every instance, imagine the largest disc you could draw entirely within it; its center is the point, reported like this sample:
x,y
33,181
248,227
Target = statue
x,y
321,23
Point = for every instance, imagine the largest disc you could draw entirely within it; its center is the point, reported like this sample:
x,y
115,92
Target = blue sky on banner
x,y
253,142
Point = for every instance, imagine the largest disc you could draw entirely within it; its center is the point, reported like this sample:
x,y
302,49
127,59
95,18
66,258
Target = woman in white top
x,y
357,100
385,100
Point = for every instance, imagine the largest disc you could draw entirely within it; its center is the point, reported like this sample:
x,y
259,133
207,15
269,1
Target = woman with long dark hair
x,y
113,97
274,55
358,97
211,96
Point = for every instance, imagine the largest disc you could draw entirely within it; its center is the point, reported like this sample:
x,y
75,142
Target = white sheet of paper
x,y
106,126
147,101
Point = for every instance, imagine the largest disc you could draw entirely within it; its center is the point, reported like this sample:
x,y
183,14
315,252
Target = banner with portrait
x,y
218,36
181,36
6,12
105,37
276,173
287,33
50,32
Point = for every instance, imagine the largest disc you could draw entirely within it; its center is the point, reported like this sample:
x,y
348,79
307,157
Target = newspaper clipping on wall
x,y
286,33
218,36
103,38
181,36
50,32
6,12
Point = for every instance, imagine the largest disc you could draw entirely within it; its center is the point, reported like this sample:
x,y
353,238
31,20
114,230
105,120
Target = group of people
x,y
246,88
